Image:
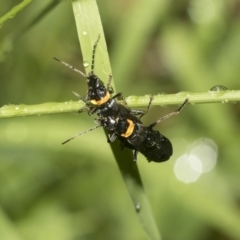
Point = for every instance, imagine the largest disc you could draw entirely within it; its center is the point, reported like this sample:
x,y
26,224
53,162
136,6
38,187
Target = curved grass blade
x,y
89,27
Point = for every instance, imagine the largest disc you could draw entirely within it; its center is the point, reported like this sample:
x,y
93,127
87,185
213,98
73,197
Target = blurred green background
x,y
75,191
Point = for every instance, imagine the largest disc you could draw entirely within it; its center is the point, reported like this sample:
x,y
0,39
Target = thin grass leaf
x,y
19,7
89,27
11,110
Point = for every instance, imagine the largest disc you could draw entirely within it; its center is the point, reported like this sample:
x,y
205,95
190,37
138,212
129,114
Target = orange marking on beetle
x,y
129,129
102,100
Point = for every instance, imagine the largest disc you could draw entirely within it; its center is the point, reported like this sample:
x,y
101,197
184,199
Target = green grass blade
x,y
132,101
89,27
14,11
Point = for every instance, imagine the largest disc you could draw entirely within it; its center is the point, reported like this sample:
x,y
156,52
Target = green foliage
x,y
75,191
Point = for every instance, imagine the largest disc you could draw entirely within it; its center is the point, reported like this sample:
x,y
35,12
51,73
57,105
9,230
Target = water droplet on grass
x,y
218,88
85,64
